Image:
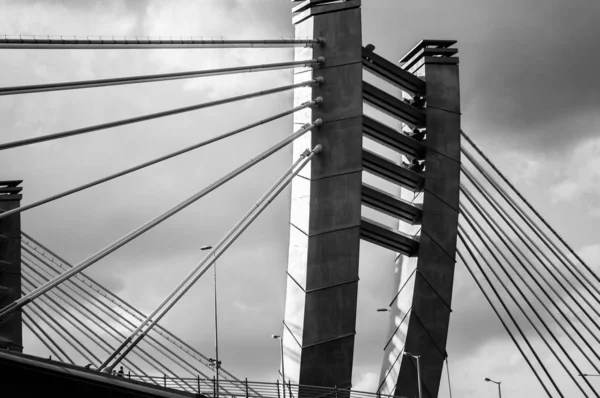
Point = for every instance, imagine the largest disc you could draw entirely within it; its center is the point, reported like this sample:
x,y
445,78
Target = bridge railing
x,y
252,389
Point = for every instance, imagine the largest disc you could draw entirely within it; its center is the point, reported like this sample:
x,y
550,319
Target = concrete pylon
x,y
11,335
322,283
420,313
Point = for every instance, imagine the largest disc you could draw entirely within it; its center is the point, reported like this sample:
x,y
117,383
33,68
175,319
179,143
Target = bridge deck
x,y
28,376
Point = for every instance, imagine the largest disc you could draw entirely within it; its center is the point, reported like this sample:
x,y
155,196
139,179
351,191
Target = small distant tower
x,y
11,334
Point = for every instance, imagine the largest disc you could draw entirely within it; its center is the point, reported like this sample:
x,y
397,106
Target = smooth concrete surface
x,y
320,313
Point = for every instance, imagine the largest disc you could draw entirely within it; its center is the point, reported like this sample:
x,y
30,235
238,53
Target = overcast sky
x,y
530,97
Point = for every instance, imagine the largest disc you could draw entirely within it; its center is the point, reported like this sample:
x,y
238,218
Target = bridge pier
x,y
11,334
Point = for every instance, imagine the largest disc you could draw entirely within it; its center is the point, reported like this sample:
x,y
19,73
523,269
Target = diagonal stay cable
x,y
479,231
562,257
28,272
86,331
108,328
480,152
88,284
152,223
84,347
522,236
43,42
27,319
213,255
58,329
156,115
496,311
140,166
39,88
75,322
508,242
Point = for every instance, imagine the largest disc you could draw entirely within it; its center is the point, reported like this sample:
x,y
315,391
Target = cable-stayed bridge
x,y
450,201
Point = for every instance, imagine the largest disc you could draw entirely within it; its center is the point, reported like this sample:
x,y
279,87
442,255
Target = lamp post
x,y
282,365
418,371
498,383
216,362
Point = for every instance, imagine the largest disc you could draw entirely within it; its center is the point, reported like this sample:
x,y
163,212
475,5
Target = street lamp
x,y
498,383
282,365
216,363
418,371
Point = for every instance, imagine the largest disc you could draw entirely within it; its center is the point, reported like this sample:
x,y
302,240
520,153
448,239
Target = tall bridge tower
x,y
11,335
326,223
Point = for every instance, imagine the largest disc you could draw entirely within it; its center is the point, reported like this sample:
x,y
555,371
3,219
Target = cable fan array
x,y
544,294
74,316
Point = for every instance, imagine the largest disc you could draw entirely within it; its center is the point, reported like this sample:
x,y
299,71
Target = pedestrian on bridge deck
x,y
120,373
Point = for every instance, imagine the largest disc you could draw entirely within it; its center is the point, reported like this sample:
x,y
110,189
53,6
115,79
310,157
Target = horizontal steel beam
x,y
10,197
393,139
424,44
392,73
393,106
154,78
386,203
64,42
11,190
384,236
11,183
316,8
392,172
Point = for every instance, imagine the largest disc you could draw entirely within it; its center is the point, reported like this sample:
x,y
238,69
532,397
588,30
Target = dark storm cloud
x,y
538,69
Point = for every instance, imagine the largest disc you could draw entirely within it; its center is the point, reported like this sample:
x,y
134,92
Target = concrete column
x,y
11,336
320,308
427,327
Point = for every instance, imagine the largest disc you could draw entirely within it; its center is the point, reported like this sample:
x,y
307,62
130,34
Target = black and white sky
x,y
530,98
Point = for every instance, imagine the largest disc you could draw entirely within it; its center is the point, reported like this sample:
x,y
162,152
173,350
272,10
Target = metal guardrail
x,y
251,389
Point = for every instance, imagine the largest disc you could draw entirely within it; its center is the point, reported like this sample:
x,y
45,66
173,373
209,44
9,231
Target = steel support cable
x,y
147,358
389,371
77,323
114,299
154,343
497,312
513,225
150,116
155,221
53,325
85,351
38,88
467,217
483,155
110,43
30,268
508,242
140,166
541,235
26,321
448,372
212,256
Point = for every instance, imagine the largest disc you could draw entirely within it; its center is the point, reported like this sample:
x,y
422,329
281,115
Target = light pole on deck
x,y
417,357
497,383
216,363
282,365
